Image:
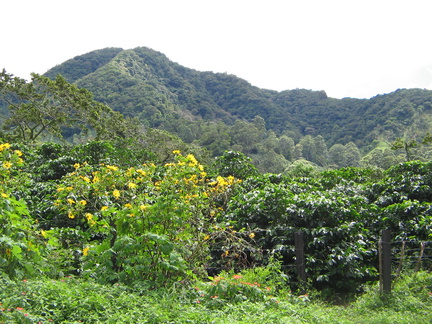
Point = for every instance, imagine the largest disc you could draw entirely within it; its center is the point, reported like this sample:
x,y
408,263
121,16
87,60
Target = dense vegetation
x,y
219,112
86,218
132,214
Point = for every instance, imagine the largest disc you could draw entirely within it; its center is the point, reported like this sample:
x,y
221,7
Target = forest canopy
x,y
224,112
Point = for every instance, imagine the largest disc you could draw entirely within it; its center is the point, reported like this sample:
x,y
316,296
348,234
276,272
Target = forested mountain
x,y
224,112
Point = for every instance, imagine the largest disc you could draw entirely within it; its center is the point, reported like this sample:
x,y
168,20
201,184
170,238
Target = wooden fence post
x,y
401,260
300,257
385,262
422,247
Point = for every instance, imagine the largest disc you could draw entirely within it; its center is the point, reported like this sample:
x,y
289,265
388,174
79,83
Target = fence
x,y
393,258
392,255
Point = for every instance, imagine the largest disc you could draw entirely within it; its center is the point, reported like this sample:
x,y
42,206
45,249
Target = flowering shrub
x,y
151,220
19,246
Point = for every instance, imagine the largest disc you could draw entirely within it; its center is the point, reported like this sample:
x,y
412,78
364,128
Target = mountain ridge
x,y
146,84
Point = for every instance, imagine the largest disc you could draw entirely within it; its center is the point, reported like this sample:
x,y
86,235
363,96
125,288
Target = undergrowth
x,y
233,298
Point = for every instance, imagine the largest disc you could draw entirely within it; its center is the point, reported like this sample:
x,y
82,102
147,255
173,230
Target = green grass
x,y
71,300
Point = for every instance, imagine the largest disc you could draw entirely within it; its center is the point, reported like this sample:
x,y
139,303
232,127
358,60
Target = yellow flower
x,y
18,152
206,237
141,172
128,205
4,146
83,202
76,166
221,181
96,179
4,195
112,167
252,235
69,188
132,185
7,165
71,216
143,207
60,189
192,159
88,216
104,208
43,233
176,152
70,201
86,179
130,172
86,250
116,194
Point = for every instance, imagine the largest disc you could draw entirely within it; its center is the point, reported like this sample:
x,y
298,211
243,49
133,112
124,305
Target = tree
x,y
353,156
382,158
45,106
298,151
235,164
308,149
245,134
337,155
271,162
320,151
286,147
408,144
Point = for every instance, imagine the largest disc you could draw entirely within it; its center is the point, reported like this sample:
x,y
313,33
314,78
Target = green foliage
x,y
80,66
151,219
45,106
20,243
301,169
411,294
405,181
259,284
219,111
341,213
71,300
160,223
232,290
235,164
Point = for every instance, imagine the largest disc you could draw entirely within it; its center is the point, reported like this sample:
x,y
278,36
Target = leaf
x,y
166,248
16,251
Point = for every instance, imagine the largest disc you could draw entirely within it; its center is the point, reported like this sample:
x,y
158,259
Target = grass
x,y
71,300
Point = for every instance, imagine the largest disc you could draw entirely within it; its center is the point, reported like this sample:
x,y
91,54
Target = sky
x,y
347,48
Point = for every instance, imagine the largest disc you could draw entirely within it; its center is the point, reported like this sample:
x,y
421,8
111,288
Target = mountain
x,y
208,108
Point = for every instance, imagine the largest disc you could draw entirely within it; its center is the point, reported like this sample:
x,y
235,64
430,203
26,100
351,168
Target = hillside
x,y
210,109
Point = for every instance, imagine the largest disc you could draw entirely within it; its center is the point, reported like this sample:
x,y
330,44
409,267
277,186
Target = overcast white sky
x,y
347,48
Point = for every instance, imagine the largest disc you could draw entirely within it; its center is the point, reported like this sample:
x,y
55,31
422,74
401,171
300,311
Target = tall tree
x,y
337,155
308,147
320,151
45,106
353,156
286,147
408,145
